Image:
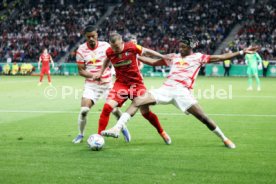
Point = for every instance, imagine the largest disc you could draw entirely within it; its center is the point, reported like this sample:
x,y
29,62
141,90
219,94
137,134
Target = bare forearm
x,y
152,53
85,74
217,58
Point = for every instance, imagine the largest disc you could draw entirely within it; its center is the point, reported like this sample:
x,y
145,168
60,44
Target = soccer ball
x,y
95,142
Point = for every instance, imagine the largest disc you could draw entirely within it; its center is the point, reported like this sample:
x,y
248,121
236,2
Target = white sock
x,y
220,134
82,119
123,120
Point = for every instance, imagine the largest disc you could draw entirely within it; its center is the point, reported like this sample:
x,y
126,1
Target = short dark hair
x,y
191,41
90,28
114,36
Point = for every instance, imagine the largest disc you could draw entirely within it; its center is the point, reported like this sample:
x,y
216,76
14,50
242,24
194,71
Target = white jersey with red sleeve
x,y
93,60
184,70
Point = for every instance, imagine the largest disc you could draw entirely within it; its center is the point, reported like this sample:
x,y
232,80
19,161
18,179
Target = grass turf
x,y
37,125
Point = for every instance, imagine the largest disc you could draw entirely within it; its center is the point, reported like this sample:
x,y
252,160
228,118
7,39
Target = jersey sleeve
x,y
204,59
79,58
139,49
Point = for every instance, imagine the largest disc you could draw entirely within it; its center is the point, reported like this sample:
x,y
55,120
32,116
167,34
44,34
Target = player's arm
x,y
83,72
151,61
222,57
52,62
152,53
259,58
39,61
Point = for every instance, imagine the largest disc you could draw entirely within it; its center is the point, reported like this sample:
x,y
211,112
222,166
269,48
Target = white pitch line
x,y
165,114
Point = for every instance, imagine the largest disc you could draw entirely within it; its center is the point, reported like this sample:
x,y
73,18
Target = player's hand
x,y
251,50
167,58
97,76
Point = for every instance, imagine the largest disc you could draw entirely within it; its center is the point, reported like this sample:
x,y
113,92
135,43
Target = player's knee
x,y
144,110
84,111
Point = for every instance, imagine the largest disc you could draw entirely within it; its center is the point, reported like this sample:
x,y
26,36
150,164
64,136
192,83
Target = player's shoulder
x,y
103,44
82,46
129,45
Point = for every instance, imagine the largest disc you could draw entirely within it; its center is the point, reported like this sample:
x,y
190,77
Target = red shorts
x,y
45,71
121,92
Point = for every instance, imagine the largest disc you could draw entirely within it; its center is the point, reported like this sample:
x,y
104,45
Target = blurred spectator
x,y
15,68
7,69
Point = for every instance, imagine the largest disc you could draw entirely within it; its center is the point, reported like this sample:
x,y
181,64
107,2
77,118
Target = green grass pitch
x,y
37,125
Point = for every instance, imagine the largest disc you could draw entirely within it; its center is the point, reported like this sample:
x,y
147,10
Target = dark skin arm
x,y
222,57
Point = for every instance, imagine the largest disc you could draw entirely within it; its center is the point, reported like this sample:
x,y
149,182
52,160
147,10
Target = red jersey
x,y
126,64
45,60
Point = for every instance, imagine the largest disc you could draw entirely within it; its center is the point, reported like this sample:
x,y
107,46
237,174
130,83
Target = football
x,y
95,142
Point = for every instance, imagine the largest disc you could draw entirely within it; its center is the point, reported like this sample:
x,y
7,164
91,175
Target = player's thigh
x,y
119,94
197,111
94,92
183,99
162,95
145,99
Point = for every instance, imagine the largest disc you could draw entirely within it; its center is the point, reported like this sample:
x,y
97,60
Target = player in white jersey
x,y
90,56
176,89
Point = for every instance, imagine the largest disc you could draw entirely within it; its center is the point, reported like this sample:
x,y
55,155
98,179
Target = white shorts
x,y
182,98
95,92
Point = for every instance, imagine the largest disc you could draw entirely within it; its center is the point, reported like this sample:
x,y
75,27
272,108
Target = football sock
x,y
82,119
153,119
104,117
49,78
123,120
219,133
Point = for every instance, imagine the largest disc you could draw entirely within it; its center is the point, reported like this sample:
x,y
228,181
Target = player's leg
x,y
86,105
197,111
154,121
41,77
105,114
250,81
49,78
257,80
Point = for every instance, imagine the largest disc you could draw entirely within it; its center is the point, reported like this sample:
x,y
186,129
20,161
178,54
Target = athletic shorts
x,y
121,92
182,98
252,71
95,92
45,71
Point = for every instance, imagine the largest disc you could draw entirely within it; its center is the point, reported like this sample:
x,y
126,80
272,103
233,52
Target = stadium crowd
x,y
157,25
46,24
260,29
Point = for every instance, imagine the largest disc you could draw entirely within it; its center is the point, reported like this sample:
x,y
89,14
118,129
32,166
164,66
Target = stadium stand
x,y
46,24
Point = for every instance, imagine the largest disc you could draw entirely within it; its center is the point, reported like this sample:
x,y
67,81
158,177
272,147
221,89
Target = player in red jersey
x,y
45,58
129,81
176,89
90,56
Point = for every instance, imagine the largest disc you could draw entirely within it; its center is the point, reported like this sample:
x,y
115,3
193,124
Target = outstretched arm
x,y
52,61
151,61
152,53
39,61
222,57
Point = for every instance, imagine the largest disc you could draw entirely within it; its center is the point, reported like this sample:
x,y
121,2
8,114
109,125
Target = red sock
x,y
104,117
49,78
153,119
41,77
